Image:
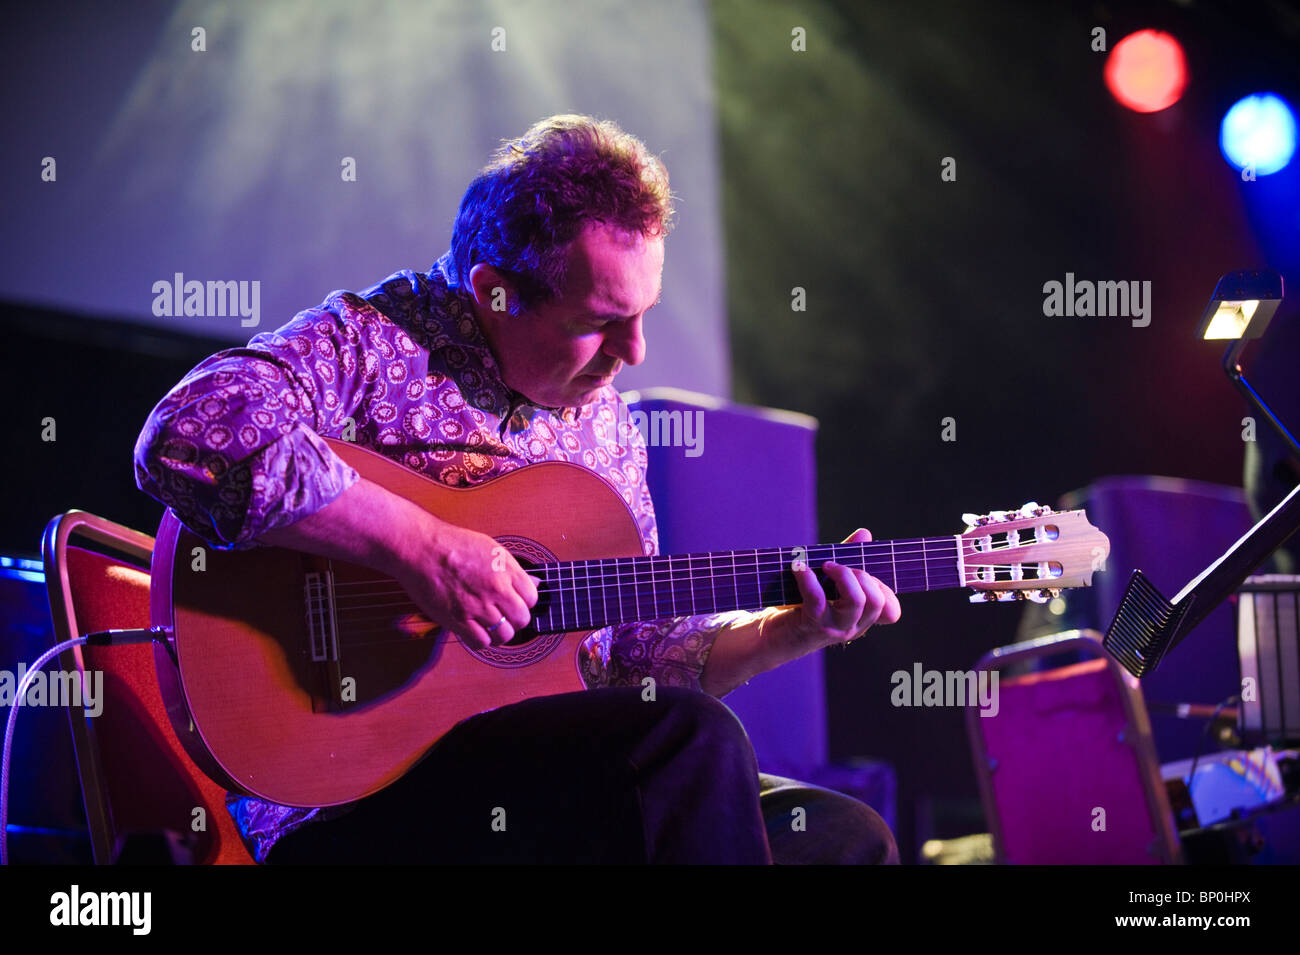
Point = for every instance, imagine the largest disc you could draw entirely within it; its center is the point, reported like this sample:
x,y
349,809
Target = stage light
x,y
1235,310
1230,320
1146,71
1243,305
1259,131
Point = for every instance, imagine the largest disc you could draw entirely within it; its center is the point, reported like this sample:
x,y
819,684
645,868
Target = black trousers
x,y
600,776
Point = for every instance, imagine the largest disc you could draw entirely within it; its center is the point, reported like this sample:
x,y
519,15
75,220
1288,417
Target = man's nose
x,y
626,343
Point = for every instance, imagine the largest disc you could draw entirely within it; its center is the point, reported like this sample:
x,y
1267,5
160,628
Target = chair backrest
x,y
1066,762
135,775
747,477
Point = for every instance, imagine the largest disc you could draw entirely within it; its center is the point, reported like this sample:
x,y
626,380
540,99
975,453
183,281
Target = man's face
x,y
561,354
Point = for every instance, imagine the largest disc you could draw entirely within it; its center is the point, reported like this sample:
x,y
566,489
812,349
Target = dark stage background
x,y
924,298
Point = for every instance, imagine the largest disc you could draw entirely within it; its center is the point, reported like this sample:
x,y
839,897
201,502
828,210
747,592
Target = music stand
x,y
1147,625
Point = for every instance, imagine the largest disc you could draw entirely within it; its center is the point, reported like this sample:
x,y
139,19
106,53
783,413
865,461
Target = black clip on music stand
x,y
1147,625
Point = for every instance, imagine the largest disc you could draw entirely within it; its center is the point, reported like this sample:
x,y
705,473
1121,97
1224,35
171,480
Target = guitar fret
x,y
735,585
672,588
637,613
679,605
893,563
577,607
656,607
559,573
684,581
713,587
591,613
604,604
690,582
654,591
636,593
573,593
618,593
548,584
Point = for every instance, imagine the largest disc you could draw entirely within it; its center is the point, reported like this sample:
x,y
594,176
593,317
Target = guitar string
x,y
578,582
910,577
732,583
662,565
355,622
427,629
578,572
937,549
581,578
593,586
354,619
686,567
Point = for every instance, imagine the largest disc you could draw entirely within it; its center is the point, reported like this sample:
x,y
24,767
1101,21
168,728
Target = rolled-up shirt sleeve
x,y
236,448
671,651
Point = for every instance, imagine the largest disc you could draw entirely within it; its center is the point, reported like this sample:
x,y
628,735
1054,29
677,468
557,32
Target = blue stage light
x,y
1260,130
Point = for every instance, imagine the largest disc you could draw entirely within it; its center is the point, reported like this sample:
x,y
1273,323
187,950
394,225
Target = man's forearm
x,y
366,524
742,651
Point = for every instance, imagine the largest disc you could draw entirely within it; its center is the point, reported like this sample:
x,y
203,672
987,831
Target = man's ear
x,y
491,290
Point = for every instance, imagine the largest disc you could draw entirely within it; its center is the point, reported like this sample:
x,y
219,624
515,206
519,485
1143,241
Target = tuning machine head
x,y
1007,596
1030,509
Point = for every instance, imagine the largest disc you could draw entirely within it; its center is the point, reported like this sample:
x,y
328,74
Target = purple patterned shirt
x,y
235,451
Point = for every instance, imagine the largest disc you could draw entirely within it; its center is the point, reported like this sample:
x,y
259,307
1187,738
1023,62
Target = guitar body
x,y
303,681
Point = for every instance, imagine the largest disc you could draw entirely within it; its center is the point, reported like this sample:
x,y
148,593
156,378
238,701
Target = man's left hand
x,y
864,601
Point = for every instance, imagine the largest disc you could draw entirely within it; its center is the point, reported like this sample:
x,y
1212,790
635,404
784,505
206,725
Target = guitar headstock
x,y
1030,554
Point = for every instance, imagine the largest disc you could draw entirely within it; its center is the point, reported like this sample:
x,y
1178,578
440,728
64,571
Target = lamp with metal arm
x,y
1242,307
1147,625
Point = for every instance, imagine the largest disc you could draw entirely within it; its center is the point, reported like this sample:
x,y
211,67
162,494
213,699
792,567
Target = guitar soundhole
x,y
527,646
524,636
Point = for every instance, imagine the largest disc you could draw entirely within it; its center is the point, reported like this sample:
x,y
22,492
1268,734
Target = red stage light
x,y
1146,71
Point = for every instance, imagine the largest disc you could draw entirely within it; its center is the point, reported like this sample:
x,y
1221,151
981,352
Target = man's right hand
x,y
460,579
467,583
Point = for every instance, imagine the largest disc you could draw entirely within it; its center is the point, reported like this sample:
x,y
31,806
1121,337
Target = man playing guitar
x,y
503,355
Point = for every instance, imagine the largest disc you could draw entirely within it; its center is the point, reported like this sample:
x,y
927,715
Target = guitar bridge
x,y
323,642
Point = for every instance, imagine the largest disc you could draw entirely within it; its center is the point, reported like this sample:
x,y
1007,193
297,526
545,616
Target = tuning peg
x,y
998,596
1042,596
1028,510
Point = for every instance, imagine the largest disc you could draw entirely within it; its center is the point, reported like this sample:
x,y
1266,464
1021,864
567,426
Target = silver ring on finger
x,y
497,624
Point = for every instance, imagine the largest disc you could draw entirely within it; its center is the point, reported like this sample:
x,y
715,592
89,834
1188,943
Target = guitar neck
x,y
589,594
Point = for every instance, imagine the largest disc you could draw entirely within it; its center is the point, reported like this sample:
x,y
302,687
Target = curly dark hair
x,y
537,193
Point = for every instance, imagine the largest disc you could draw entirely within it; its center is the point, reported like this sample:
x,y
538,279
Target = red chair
x,y
135,775
1067,767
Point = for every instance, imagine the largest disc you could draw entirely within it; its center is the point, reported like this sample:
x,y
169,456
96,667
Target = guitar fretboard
x,y
588,594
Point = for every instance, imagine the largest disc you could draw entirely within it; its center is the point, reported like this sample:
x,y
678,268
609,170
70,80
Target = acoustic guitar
x,y
313,682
